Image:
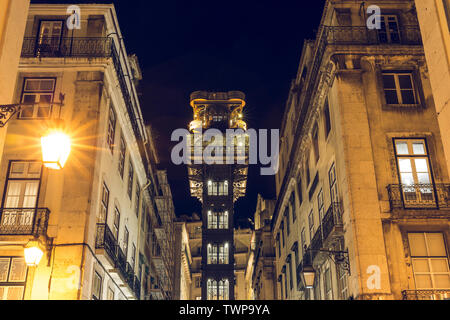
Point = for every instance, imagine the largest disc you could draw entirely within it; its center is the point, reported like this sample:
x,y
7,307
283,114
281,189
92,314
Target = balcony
x,y
332,224
113,257
361,35
67,47
426,294
420,196
24,221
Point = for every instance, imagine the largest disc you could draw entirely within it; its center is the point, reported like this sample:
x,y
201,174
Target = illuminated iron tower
x,y
218,186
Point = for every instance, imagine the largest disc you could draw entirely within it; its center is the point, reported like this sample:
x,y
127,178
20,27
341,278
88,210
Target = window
x,y
333,184
13,275
223,220
125,241
292,205
447,11
289,264
116,223
130,179
311,224
288,225
137,200
223,254
198,282
217,220
50,33
212,254
414,171
21,195
218,254
295,249
328,284
37,96
218,291
399,88
429,260
317,286
218,188
285,282
212,289
307,172
103,205
315,137
303,239
327,119
282,233
133,256
97,287
122,153
343,283
300,192
279,245
111,129
320,205
389,32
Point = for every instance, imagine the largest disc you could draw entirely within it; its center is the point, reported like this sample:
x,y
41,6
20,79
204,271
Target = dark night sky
x,y
188,45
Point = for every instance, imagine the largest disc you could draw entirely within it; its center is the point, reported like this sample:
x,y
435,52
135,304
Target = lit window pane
x,y
402,148
421,265
439,265
436,244
423,281
423,178
405,165
421,165
442,281
419,148
417,244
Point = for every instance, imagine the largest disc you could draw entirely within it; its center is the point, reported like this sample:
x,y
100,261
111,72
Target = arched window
x,y
212,289
224,289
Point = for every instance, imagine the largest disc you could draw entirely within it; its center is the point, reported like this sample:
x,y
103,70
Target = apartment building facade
x,y
261,276
363,187
90,217
434,20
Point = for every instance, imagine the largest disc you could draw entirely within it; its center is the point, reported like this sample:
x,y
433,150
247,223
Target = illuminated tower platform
x,y
218,186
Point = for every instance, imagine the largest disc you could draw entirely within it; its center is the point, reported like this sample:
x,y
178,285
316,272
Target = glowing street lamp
x,y
56,148
33,253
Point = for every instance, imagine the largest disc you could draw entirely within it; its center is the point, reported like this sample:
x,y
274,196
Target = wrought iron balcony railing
x,y
426,294
24,221
317,241
66,47
129,276
121,262
351,35
106,240
332,219
419,196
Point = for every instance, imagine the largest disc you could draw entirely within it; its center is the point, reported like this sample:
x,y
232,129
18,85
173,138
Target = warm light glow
x,y
209,182
195,125
33,253
308,275
55,150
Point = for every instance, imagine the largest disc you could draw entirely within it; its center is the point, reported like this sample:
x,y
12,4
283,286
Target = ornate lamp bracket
x,y
7,112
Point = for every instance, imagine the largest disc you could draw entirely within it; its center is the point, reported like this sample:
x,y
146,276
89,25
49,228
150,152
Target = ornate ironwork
x,y
426,294
419,196
351,35
106,240
332,219
67,47
7,112
24,221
